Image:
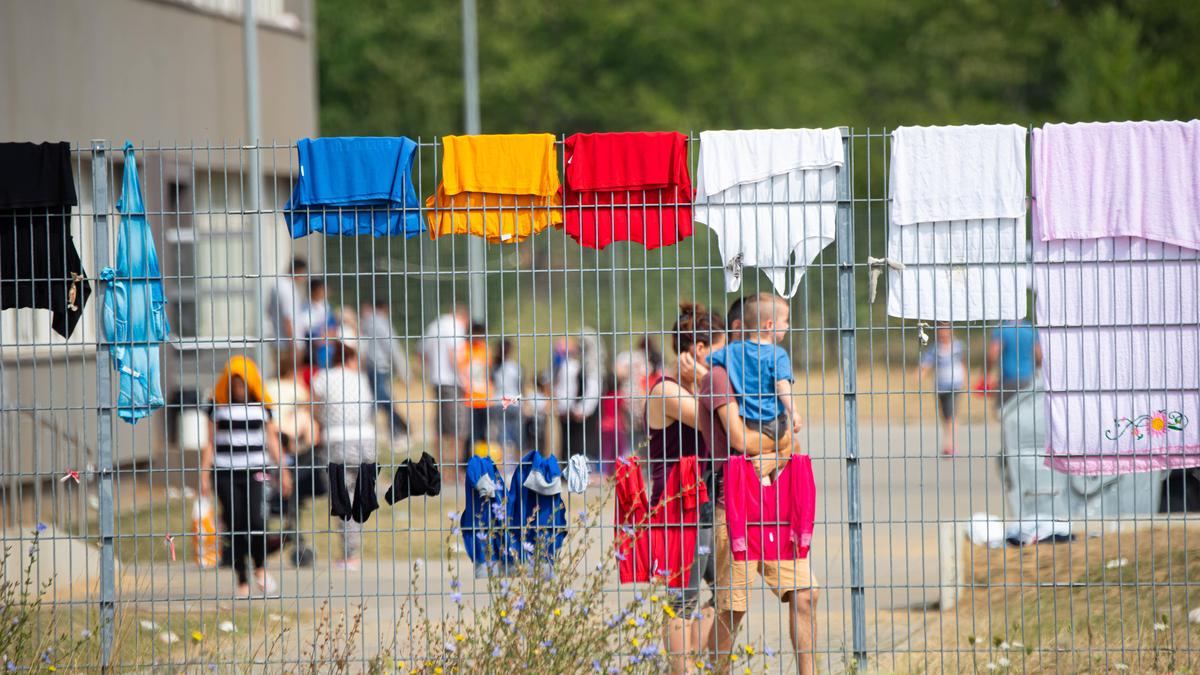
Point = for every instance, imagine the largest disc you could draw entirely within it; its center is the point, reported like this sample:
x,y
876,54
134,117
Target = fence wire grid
x,y
98,515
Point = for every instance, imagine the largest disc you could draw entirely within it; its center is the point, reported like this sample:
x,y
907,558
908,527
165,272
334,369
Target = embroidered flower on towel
x,y
1157,424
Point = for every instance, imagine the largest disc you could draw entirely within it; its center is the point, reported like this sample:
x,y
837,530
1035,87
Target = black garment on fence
x,y
362,503
40,266
415,479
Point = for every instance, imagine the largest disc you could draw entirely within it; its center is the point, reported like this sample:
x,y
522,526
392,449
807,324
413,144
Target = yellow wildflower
x,y
633,641
654,598
668,610
557,611
197,635
733,657
460,637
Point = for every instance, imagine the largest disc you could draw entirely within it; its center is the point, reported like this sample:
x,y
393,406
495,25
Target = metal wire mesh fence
x,y
101,518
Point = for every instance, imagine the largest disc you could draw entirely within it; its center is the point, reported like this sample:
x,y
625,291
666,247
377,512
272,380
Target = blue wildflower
x,y
46,657
452,515
41,527
456,597
498,511
639,621
583,516
637,596
619,556
650,650
519,604
12,667
569,594
497,652
596,666
528,546
450,647
455,583
456,532
546,644
481,536
769,652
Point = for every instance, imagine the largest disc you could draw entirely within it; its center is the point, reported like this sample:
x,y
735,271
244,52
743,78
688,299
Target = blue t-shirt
x,y
1017,345
753,369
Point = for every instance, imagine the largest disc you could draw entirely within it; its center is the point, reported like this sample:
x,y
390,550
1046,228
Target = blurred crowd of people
x,y
578,404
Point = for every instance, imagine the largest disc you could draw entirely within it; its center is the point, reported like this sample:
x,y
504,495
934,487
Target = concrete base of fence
x,y
62,566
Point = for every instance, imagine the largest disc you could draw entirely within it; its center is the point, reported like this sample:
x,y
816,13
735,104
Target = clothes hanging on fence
x,y
355,185
358,502
658,543
1117,179
486,537
415,479
632,517
578,472
501,187
39,263
947,173
135,307
770,522
538,520
957,232
628,186
1120,356
770,196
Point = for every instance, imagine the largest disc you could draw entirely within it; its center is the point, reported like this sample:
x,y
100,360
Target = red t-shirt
x,y
628,186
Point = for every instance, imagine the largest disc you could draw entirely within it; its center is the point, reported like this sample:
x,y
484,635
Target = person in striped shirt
x,y
243,446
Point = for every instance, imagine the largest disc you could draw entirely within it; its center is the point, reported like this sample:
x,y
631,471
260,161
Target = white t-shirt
x,y
347,406
439,350
283,304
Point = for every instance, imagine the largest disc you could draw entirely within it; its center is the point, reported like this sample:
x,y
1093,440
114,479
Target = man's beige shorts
x,y
735,579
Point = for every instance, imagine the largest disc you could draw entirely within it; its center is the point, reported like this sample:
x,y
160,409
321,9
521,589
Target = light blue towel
x,y
135,308
355,185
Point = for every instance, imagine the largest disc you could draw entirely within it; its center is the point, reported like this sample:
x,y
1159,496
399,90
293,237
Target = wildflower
x,y
197,635
747,670
596,666
455,583
768,651
650,650
456,597
52,668
637,595
1003,645
1120,666
992,666
569,594
619,556
450,647
12,667
504,585
438,670
701,665
668,610
46,656
497,652
654,598
546,644
1159,626
498,511
583,516
452,515
528,546
399,665
634,641
41,527
519,604
557,611
1003,662
481,536
632,622
749,650
456,532
460,637
85,633
732,657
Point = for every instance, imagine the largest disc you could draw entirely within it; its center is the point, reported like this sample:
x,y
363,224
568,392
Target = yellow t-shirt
x,y
501,187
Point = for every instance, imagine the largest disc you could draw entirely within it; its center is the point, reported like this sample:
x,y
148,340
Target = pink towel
x,y
772,522
1118,179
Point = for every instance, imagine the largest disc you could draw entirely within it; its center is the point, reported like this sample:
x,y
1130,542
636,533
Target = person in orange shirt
x,y
474,375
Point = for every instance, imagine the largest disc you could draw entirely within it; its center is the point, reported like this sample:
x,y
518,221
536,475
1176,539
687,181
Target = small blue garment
x,y
538,521
753,370
355,185
135,308
484,523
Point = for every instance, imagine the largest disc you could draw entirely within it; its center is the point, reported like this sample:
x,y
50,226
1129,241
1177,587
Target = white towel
x,y
1117,293
972,270
1125,359
577,474
957,173
1089,433
770,196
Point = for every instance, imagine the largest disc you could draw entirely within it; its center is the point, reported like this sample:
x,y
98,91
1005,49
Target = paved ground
x,y
906,491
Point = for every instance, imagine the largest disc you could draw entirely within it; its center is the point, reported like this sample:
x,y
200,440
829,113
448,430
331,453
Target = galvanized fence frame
x,y
848,261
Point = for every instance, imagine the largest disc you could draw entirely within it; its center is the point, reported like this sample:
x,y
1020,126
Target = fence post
x,y
108,589
847,342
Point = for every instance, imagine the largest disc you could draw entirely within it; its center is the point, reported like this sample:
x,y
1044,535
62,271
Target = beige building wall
x,y
166,74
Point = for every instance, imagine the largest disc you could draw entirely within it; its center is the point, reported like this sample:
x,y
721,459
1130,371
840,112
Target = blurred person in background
x,y
947,358
440,345
242,448
285,302
382,360
1013,358
475,380
614,430
578,386
346,412
508,379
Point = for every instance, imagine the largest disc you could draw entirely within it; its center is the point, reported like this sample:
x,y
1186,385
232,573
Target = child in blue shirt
x,y
759,370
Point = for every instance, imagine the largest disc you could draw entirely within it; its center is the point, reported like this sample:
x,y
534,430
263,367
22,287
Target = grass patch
x,y
1116,603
